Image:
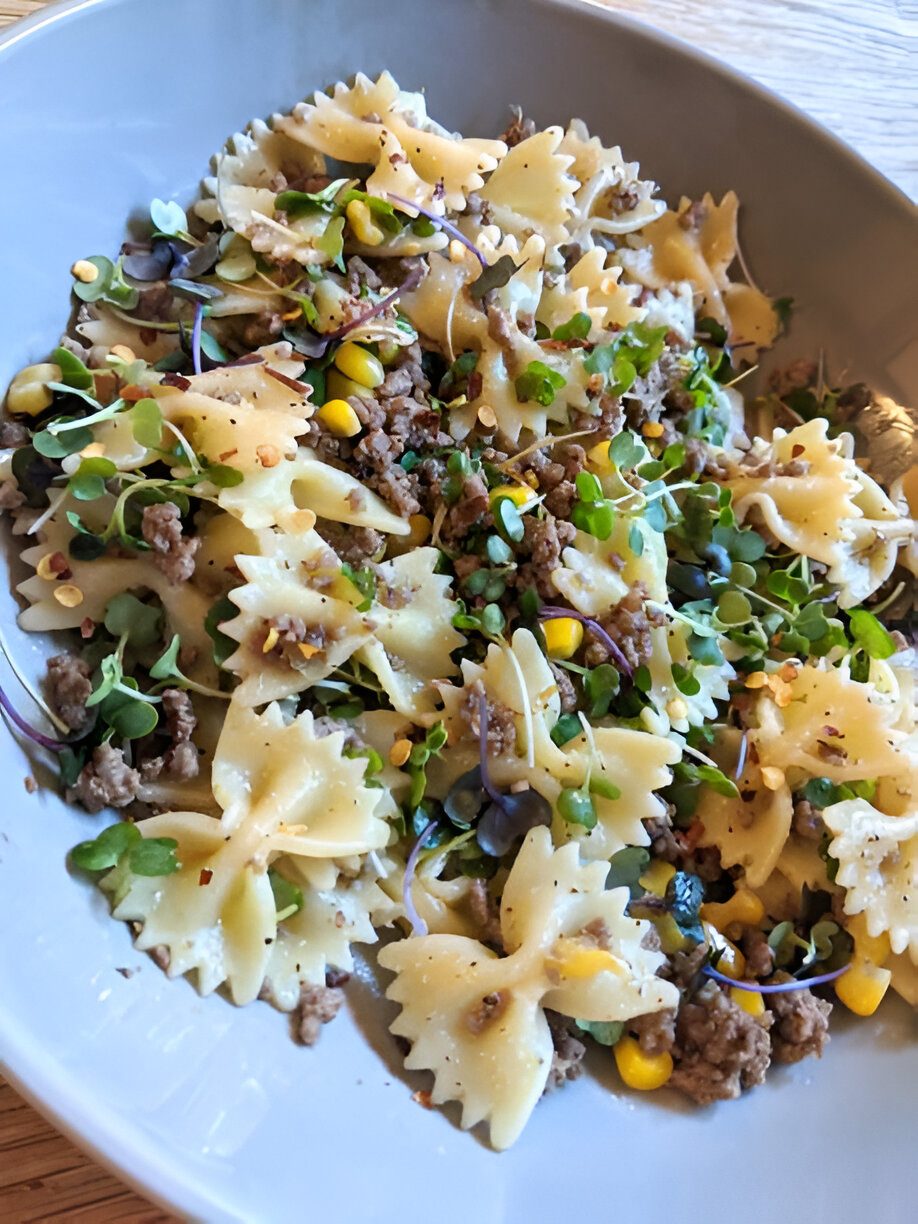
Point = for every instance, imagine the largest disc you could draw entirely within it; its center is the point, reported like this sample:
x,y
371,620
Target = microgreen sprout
x,y
441,223
418,925
775,987
27,729
509,817
549,612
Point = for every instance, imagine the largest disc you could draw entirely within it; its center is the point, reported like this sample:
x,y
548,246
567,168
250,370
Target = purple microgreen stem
x,y
776,987
441,223
418,925
318,345
550,612
38,737
741,761
196,336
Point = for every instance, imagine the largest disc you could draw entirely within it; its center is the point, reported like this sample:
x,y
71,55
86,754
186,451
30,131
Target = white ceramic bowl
x,y
212,1110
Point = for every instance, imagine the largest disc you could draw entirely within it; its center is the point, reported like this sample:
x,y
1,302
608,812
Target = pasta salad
x,y
430,582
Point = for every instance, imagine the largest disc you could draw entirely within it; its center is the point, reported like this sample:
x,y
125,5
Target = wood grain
x,y
851,64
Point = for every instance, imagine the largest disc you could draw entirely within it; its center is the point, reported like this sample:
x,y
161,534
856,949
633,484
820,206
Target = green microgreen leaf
x,y
507,518
147,423
300,203
168,217
153,856
88,481
565,729
576,328
223,610
331,242
495,276
166,666
606,1032
73,373
365,582
139,623
870,634
538,382
104,851
288,898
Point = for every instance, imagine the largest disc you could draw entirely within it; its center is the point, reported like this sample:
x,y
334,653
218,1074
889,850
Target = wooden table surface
x,y
865,89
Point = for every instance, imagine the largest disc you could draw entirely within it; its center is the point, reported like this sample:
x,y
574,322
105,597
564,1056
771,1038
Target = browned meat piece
x,y
656,1031
629,624
360,273
567,1058
355,545
485,913
13,434
472,506
501,727
682,968
414,422
760,960
720,1049
68,688
808,821
801,1023
106,781
796,376
180,716
173,553
487,1011
318,1005
519,129
608,421
566,690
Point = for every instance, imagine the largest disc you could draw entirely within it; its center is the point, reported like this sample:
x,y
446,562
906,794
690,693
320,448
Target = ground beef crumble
x,y
568,1052
719,1048
106,781
629,624
318,1005
801,1023
501,727
173,553
68,687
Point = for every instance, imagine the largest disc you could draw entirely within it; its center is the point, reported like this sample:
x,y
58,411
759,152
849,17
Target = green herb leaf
x,y
59,446
288,898
223,610
147,423
507,518
153,856
869,633
606,1032
130,719
365,582
576,328
222,476
576,807
565,729
168,217
126,616
166,666
88,481
627,451
73,372
717,780
92,291
331,243
104,851
538,382
627,866
784,309
299,203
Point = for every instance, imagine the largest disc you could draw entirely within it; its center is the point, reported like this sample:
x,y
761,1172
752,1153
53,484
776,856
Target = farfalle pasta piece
x,y
878,867
297,619
275,495
596,574
611,197
675,709
531,191
376,122
476,1019
248,175
413,634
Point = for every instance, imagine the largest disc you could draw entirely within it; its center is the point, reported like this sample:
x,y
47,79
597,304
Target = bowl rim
x,y
98,1131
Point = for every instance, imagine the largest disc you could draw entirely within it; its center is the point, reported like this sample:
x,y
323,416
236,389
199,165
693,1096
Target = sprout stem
x,y
418,925
776,987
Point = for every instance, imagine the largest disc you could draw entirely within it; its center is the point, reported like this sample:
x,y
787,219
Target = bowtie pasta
x,y
429,578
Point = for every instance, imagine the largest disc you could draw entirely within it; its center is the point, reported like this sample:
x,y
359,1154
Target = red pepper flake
x,y
59,565
422,1096
797,450
148,335
87,627
206,876
132,393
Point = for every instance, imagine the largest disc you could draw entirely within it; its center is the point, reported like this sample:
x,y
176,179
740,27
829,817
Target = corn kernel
x,y
361,222
28,394
420,526
84,271
339,418
677,709
874,948
123,352
731,963
639,1070
862,987
356,362
400,752
562,636
68,596
487,416
656,877
756,680
744,907
518,494
337,386
652,429
270,640
457,251
598,455
750,1001
571,959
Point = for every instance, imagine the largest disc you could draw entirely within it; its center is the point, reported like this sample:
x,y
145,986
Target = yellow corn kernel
x,y
28,394
862,987
337,386
518,494
270,640
639,1070
562,636
652,429
873,948
750,1001
744,907
339,418
356,362
657,876
68,596
420,526
598,455
731,962
571,959
677,709
487,416
361,222
773,777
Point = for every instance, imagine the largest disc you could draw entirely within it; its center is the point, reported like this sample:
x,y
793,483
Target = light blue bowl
x,y
108,103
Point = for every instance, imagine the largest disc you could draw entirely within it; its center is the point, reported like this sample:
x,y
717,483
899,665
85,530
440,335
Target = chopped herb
x,y
870,634
288,898
365,582
538,382
576,328
493,277
153,856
